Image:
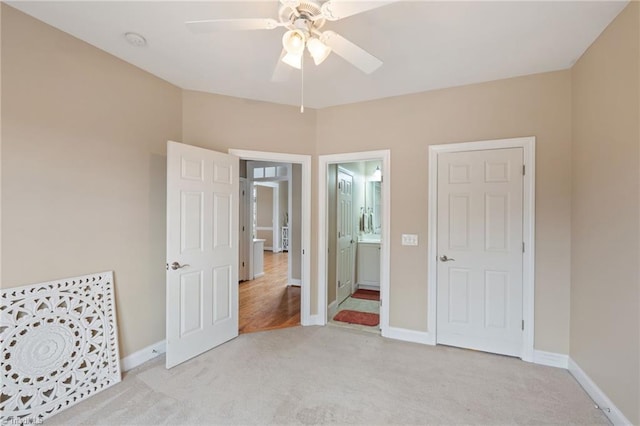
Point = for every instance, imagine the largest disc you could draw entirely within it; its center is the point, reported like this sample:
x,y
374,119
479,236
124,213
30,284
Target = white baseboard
x,y
261,274
332,310
143,355
608,408
313,320
408,335
295,281
550,359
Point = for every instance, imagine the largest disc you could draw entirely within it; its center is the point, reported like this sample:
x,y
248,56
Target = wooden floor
x,y
267,303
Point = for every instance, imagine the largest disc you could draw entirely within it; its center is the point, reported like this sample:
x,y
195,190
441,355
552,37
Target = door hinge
x,y
523,170
243,264
302,251
243,229
522,325
523,246
243,192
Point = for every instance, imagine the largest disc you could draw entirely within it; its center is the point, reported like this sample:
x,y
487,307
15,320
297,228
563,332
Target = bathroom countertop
x,y
369,238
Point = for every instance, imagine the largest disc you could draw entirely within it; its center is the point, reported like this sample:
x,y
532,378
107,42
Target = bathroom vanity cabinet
x,y
369,265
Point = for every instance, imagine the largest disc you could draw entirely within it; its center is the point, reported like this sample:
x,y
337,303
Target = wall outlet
x,y
409,239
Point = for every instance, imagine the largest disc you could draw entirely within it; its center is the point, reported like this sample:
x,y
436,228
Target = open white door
x,y
344,221
202,250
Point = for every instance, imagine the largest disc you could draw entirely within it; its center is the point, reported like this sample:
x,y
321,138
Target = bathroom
x,y
354,239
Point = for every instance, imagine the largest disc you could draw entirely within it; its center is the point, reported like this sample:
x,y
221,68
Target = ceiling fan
x,y
304,21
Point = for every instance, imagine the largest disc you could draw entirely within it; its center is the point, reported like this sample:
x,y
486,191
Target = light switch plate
x,y
409,239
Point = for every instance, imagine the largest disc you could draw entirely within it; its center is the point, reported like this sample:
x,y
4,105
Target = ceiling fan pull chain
x,y
302,84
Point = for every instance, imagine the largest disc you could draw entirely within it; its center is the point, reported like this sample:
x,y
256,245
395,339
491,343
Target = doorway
x,y
296,256
481,245
349,234
270,297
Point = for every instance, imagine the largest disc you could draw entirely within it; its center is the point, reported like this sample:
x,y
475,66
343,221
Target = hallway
x,y
267,303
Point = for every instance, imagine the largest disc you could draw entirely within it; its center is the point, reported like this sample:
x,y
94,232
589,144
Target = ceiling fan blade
x,y
338,9
350,52
213,25
282,71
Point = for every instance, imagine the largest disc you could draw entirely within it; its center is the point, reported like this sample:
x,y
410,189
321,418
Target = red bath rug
x,y
366,294
355,317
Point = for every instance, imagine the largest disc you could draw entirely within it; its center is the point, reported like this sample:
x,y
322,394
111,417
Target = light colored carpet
x,y
320,375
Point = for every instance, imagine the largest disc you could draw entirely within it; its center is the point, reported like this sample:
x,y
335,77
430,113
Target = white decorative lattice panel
x,y
59,345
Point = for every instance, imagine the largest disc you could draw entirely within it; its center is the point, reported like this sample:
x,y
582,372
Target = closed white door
x,y
202,250
480,246
345,262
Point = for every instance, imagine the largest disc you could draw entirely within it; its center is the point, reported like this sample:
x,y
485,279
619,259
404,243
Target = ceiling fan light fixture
x,y
293,42
293,60
318,50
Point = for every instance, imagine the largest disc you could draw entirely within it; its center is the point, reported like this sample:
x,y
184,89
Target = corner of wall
x,y
605,225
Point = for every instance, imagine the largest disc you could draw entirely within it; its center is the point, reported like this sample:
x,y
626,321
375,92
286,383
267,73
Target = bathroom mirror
x,y
373,205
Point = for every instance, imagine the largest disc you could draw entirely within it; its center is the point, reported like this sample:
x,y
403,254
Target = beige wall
x,y
538,105
83,166
264,213
605,273
222,122
264,206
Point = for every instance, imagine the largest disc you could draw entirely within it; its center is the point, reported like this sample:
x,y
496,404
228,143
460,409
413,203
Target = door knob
x,y
446,259
176,265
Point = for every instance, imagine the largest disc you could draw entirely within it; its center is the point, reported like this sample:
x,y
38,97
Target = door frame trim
x,y
323,226
305,162
528,231
243,207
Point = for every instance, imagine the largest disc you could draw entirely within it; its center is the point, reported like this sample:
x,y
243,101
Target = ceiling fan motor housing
x,y
305,17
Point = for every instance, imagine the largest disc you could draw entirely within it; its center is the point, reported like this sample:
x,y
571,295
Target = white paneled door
x,y
345,261
202,250
480,250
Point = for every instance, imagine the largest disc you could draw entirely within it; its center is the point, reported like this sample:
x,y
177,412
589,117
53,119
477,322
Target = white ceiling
x,y
425,45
